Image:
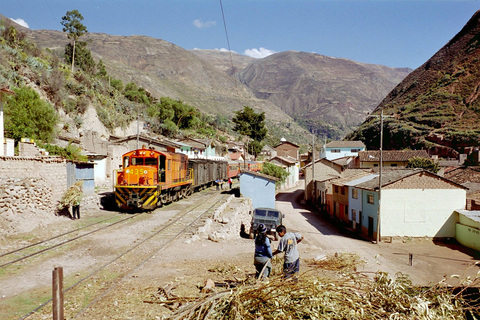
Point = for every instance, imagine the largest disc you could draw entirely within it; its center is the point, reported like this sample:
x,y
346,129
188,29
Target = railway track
x,y
61,239
110,272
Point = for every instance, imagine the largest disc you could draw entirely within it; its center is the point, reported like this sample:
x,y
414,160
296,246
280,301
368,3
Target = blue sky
x,y
395,33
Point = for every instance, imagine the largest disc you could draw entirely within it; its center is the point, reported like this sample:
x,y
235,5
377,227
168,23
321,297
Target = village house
x,y
287,149
467,229
468,177
390,158
259,187
339,210
268,152
291,166
197,148
323,169
120,146
338,149
414,203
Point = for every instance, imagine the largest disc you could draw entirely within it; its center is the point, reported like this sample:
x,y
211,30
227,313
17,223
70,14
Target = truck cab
x,y
270,217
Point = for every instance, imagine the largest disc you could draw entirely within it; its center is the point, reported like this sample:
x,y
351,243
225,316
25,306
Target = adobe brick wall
x,y
31,184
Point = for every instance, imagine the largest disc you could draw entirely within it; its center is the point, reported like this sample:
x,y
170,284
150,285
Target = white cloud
x,y
221,49
259,53
200,24
224,50
20,22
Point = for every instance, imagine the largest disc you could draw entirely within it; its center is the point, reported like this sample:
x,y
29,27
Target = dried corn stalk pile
x,y
350,295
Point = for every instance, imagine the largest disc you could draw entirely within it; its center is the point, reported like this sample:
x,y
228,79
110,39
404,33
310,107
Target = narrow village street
x,y
431,260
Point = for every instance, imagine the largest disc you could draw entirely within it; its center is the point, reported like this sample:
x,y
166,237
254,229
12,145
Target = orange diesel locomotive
x,y
150,178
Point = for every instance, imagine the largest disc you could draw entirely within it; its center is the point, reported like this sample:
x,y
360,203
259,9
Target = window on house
x,y
354,150
343,190
370,198
354,193
335,151
375,164
354,215
393,165
336,189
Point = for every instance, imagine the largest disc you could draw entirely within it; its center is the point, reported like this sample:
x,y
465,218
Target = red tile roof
x,y
391,155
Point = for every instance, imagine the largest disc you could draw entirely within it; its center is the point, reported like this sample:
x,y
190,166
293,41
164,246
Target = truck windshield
x,y
266,213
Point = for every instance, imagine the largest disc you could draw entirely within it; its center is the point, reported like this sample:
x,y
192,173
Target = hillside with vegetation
x,y
298,91
437,106
55,100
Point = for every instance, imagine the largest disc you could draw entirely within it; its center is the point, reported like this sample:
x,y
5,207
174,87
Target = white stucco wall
x,y
100,171
420,212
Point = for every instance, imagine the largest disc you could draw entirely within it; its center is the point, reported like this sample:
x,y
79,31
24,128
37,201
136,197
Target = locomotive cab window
x,y
151,162
126,161
136,161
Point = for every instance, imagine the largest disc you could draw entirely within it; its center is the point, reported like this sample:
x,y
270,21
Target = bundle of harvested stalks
x,y
350,295
72,196
338,262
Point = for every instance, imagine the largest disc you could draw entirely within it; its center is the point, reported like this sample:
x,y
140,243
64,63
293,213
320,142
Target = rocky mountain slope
x,y
437,106
329,95
292,88
166,70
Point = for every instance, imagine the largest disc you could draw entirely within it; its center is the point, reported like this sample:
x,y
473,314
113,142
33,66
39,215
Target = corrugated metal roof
x,y
474,215
361,180
356,175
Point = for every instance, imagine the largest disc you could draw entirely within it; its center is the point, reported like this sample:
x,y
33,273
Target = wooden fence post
x,y
57,293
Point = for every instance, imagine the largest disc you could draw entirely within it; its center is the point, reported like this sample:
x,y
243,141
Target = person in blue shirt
x,y
288,244
263,253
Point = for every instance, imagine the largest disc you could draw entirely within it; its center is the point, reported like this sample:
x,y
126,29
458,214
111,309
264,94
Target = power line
x,y
226,34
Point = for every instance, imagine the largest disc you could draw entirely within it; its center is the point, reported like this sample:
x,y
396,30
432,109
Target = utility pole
x,y
381,116
313,167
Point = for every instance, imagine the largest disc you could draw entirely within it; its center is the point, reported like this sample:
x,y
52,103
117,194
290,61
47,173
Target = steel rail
x,y
90,275
55,237
65,242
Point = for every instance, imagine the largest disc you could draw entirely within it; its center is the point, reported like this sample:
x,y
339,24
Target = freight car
x,y
150,178
234,167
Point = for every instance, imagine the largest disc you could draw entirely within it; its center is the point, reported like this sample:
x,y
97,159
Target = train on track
x,y
149,178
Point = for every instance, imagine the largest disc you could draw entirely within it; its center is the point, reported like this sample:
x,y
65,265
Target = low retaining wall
x,y
30,189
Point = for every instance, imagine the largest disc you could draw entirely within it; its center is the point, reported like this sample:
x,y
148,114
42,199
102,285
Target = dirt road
x,y
431,261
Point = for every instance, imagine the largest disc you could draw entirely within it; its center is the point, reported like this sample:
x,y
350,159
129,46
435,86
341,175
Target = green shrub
x,y
70,152
26,115
275,171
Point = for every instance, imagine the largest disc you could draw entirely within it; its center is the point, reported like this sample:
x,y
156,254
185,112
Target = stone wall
x,y
228,222
30,189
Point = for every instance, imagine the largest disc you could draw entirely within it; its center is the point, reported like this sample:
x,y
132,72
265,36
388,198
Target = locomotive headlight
x,y
145,172
127,171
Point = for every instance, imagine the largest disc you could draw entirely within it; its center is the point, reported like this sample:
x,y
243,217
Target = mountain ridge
x,y
437,106
208,81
